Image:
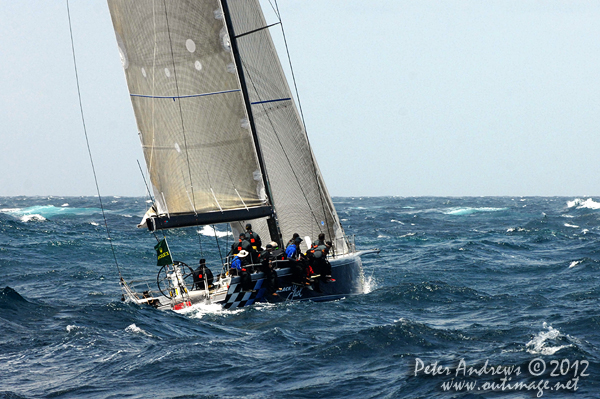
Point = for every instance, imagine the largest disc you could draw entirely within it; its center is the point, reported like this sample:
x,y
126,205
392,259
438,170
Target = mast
x,y
271,220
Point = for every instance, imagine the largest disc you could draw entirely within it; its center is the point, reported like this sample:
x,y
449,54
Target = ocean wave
x,y
516,229
210,232
132,328
579,203
470,211
199,310
575,263
32,218
72,327
42,212
541,343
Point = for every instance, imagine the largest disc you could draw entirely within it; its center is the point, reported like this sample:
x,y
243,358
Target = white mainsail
x,y
206,86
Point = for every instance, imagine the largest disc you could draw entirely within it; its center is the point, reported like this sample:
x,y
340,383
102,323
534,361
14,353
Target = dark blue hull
x,y
346,270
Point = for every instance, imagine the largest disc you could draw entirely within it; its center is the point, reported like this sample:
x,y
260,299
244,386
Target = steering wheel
x,y
162,279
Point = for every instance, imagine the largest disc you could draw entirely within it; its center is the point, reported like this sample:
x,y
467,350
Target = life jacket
x,y
254,239
236,263
290,251
319,251
243,244
201,273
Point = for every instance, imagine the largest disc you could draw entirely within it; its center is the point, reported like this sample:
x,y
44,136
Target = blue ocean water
x,y
471,290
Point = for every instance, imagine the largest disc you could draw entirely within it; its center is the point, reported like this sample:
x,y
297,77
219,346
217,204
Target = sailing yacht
x,y
224,142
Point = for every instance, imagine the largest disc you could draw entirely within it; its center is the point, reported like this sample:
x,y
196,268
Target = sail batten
x,y
187,95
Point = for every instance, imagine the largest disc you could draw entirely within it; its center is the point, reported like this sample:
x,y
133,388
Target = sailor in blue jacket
x,y
293,248
239,265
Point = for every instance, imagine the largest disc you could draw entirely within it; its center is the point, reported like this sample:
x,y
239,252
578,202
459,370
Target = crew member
x,y
242,244
292,251
201,275
278,253
270,275
319,241
239,264
320,262
254,238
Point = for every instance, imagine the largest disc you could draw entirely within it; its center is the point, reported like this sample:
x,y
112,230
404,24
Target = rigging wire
x,y
301,112
200,244
300,108
187,155
145,182
218,246
151,198
88,142
321,190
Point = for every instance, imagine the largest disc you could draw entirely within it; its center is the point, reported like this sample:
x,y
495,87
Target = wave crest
x,y
469,210
540,343
579,203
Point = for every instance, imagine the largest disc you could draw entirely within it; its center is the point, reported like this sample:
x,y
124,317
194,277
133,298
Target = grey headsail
x,y
300,197
190,111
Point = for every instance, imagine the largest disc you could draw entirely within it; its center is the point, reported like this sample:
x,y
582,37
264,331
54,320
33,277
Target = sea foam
x,y
539,344
469,211
581,203
210,232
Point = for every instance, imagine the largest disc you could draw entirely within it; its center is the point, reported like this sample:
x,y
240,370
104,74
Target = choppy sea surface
x,y
468,298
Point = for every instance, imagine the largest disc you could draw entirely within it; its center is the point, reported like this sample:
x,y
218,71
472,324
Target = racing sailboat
x,y
224,142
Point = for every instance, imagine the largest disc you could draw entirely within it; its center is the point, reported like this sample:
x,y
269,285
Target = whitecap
x,y
580,203
538,344
10,210
468,210
209,231
135,329
201,309
65,204
72,328
47,211
32,218
571,225
396,221
94,224
575,263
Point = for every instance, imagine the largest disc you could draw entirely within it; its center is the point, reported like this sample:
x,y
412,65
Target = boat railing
x,y
137,288
252,268
343,245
